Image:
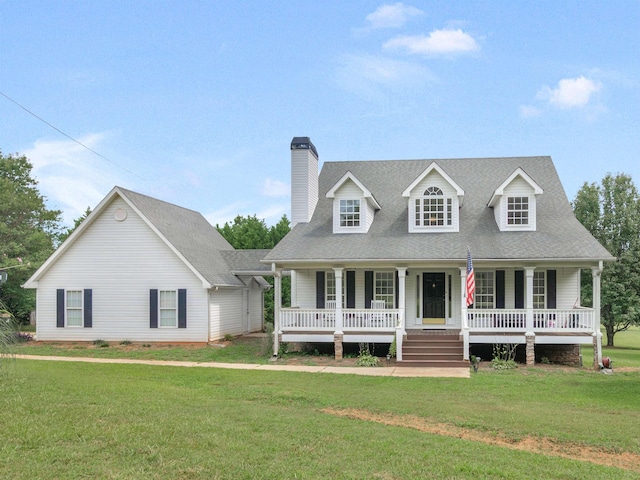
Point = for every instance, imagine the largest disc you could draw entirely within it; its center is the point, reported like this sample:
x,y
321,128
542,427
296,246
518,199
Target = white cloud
x,y
570,92
367,75
529,111
392,16
438,42
275,188
69,176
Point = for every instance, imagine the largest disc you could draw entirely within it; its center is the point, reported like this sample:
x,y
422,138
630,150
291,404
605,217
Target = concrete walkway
x,y
371,371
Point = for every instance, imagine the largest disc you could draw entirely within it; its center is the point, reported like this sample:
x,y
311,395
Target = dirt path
x,y
541,445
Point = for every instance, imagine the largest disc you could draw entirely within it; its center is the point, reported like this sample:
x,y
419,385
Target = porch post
x,y
338,335
277,304
294,289
400,327
528,302
463,310
596,273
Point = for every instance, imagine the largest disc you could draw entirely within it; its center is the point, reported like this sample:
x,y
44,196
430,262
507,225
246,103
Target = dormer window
x,y
434,202
349,213
433,209
514,202
353,205
517,210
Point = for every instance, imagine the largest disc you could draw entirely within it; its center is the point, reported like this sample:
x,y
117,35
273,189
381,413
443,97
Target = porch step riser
x,y
432,351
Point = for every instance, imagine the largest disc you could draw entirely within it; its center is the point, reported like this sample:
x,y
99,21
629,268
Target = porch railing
x,y
548,320
292,319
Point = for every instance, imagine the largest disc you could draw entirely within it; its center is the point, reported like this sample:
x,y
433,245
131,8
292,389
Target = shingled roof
x,y
559,235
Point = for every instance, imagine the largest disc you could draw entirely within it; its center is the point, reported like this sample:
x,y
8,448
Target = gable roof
x,y
433,166
186,232
365,191
537,190
559,235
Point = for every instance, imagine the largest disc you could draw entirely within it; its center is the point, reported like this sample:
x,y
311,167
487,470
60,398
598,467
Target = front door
x,y
433,298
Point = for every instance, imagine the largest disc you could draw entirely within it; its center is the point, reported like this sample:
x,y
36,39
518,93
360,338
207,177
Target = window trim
x,y
379,296
174,308
515,215
353,214
67,308
539,281
490,297
433,202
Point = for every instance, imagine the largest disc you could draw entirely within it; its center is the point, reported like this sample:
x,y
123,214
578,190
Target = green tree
x,y
611,212
28,232
251,233
76,223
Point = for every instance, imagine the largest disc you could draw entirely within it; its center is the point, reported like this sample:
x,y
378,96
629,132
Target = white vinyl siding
x,y
352,213
121,261
226,313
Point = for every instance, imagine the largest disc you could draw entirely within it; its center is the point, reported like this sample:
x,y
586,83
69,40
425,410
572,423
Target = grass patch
x,y
77,420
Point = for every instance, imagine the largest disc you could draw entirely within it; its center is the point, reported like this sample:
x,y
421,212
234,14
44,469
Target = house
x,y
379,249
145,270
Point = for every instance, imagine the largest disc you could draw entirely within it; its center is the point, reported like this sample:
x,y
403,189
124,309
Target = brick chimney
x,y
304,179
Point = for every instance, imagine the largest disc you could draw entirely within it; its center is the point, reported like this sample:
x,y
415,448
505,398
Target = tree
x,y
611,212
251,233
28,232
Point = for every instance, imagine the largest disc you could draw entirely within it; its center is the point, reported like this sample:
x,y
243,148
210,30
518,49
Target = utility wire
x,y
69,136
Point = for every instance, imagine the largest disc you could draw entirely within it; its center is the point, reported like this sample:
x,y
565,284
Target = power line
x,y
69,136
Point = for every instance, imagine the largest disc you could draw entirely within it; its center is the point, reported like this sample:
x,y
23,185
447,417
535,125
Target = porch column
x,y
528,297
596,273
277,304
338,335
463,309
294,289
400,328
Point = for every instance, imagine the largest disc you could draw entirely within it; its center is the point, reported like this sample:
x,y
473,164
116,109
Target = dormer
x,y
514,203
353,205
434,201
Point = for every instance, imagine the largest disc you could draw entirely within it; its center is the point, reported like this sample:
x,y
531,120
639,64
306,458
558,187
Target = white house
x,y
145,270
378,252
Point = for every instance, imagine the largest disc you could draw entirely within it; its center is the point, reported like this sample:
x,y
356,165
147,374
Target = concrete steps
x,y
432,351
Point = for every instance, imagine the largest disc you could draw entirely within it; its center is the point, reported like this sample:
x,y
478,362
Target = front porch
x,y
519,326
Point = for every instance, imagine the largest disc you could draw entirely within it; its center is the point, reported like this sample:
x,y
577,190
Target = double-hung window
x,y
485,290
74,309
539,298
384,288
168,308
518,211
349,213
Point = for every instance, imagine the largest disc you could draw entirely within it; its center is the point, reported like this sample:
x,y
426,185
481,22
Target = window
x,y
433,209
384,288
74,308
538,290
518,211
485,290
349,213
168,305
330,287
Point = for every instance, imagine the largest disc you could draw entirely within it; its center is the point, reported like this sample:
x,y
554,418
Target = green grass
x,y
241,350
77,420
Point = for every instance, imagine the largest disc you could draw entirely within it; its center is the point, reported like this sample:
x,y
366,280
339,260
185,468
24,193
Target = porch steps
x,y
432,351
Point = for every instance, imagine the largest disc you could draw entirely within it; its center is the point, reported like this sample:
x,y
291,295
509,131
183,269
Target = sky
x,y
196,102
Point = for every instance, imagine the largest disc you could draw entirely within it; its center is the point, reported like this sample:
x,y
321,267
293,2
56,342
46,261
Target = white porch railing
x,y
503,320
324,320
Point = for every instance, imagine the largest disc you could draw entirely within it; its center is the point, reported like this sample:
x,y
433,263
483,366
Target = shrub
x,y
504,355
125,342
101,343
228,337
365,358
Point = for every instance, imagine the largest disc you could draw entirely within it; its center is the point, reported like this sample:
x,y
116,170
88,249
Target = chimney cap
x,y
303,143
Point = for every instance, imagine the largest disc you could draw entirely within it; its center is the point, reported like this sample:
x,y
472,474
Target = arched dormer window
x,y
433,209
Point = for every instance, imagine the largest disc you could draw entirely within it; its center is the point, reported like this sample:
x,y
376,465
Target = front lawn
x,y
79,420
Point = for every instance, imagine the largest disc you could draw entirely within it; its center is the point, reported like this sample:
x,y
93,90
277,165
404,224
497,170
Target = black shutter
x,y
500,289
319,289
368,288
551,289
153,308
88,308
519,286
60,308
351,289
182,308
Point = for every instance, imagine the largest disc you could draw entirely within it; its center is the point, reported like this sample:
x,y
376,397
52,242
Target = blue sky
x,y
196,103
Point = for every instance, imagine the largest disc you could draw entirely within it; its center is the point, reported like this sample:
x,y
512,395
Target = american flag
x,y
471,279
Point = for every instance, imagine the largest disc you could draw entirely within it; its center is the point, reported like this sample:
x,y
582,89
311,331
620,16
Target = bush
x,y
504,355
101,343
365,358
